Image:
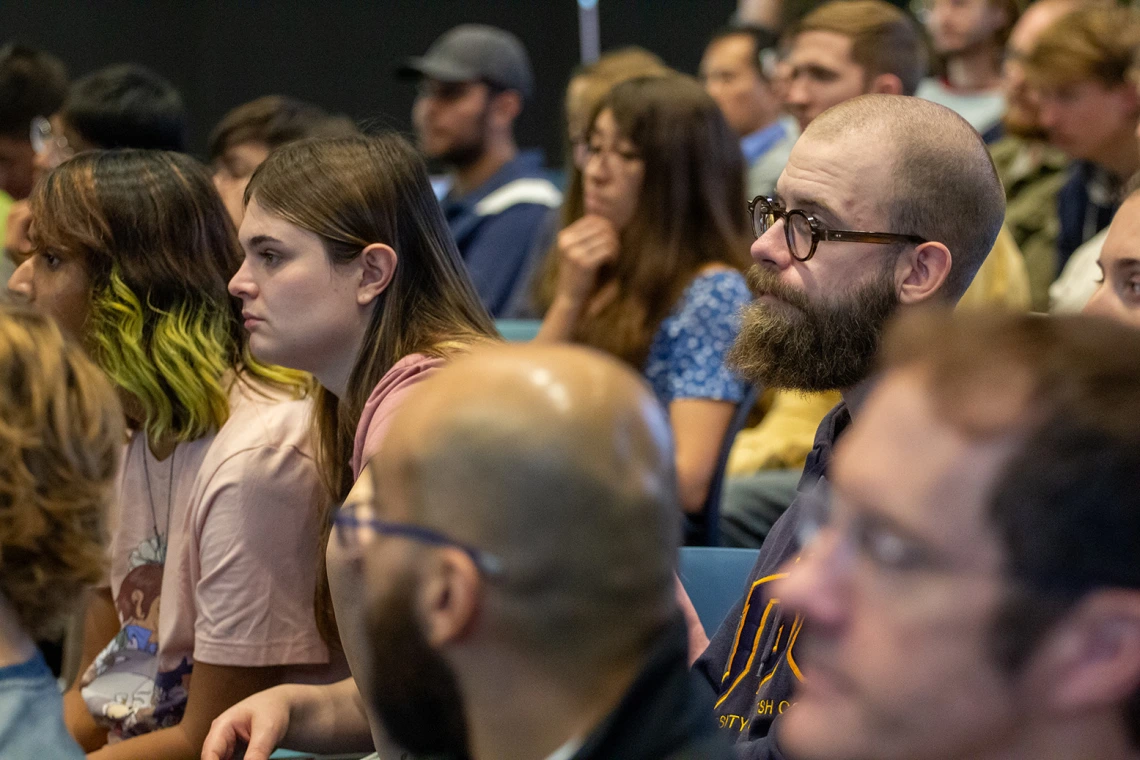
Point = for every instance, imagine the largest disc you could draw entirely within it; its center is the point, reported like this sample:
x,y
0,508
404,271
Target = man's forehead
x,y
817,46
729,50
1034,22
843,173
902,456
1123,241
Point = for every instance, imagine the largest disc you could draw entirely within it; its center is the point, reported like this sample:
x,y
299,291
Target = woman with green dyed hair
x,y
215,531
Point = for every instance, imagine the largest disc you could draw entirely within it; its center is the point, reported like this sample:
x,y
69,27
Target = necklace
x,y
159,539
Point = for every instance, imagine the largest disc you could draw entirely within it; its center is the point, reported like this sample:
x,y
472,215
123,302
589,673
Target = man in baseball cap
x,y
473,83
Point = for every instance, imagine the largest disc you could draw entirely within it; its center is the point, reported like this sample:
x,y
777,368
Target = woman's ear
x,y
377,268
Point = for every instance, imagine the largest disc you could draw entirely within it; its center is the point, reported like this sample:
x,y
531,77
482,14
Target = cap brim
x,y
418,68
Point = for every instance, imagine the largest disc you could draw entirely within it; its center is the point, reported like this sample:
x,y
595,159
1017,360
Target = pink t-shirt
x,y
383,402
223,536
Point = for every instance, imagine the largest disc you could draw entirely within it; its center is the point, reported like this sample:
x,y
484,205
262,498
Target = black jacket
x,y
750,662
665,715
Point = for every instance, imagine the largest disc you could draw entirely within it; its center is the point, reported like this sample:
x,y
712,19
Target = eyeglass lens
x,y
798,232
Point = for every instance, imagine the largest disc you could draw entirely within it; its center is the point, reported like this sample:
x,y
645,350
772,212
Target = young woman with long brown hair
x,y
351,275
648,264
214,541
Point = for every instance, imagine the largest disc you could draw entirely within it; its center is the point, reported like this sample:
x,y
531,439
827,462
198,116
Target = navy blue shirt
x,y
750,661
1085,206
495,225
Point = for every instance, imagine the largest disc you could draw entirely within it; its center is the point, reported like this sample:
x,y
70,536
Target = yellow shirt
x,y
1002,281
784,437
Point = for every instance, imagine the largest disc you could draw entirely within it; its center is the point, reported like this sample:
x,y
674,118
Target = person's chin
x,y
263,349
431,146
596,207
1066,146
774,303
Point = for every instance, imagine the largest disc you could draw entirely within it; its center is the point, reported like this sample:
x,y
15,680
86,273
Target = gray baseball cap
x,y
475,52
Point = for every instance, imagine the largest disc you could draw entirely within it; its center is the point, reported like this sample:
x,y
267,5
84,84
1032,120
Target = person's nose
x,y
771,248
242,284
816,583
21,285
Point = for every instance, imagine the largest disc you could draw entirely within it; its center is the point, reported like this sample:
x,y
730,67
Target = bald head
x,y
945,188
559,461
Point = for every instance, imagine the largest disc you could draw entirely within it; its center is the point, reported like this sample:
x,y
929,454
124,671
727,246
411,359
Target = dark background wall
x,y
341,53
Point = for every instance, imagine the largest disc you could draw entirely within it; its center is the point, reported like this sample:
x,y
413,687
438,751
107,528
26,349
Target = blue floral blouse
x,y
686,358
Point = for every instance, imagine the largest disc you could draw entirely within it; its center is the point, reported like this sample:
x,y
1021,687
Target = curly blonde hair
x,y
61,432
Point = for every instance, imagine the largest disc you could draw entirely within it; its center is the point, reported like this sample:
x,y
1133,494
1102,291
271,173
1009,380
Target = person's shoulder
x,y
31,714
534,194
400,377
412,368
718,283
261,417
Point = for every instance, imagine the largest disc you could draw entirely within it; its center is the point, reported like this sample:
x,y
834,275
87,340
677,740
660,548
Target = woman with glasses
x,y
214,531
351,274
588,85
648,263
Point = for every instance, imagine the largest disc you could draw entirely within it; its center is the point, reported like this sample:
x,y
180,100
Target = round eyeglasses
x,y
803,232
45,141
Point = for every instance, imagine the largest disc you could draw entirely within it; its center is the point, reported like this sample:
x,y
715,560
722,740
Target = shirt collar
x,y
527,163
761,141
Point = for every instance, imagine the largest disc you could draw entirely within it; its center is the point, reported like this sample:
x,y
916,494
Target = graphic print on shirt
x,y
760,651
123,688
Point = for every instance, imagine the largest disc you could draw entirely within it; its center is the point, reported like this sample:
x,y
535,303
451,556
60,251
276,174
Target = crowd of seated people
x,y
274,480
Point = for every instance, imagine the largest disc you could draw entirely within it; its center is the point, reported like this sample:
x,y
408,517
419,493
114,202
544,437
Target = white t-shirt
x,y
1079,279
982,109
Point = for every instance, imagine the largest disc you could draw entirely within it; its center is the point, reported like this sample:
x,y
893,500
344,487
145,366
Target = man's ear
x,y
377,268
1091,658
505,107
885,84
450,597
921,272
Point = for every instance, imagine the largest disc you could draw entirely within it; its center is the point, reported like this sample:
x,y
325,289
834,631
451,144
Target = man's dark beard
x,y
796,344
462,155
413,689
1025,130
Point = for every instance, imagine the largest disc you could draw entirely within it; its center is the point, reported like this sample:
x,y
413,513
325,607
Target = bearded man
x,y
472,85
887,203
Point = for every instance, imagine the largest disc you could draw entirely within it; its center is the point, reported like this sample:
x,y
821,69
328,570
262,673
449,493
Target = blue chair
x,y
518,330
714,578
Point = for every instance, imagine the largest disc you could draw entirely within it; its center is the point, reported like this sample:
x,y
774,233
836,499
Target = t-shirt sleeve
x,y
258,548
381,418
701,336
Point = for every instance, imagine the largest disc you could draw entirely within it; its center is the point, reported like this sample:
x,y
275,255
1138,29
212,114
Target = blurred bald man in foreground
x,y
519,555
